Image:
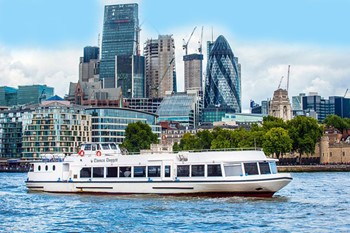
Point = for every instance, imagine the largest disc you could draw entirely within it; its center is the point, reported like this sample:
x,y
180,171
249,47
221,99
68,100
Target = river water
x,y
312,202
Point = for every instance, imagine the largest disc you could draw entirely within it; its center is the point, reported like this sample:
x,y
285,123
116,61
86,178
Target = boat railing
x,y
195,151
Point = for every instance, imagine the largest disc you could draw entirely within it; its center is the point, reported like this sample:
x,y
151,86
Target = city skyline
x,y
41,43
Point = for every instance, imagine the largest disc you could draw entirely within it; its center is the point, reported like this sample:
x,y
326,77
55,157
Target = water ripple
x,y
313,202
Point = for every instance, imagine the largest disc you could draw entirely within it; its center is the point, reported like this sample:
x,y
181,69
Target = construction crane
x,y
346,92
279,85
288,78
200,42
185,45
161,80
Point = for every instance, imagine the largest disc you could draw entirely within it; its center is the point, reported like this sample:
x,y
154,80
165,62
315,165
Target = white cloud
x,y
55,68
324,70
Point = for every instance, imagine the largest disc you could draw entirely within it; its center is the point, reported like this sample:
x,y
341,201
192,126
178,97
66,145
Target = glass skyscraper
x,y
223,80
120,38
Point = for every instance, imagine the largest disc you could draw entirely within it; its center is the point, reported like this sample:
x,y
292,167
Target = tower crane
x,y
288,78
161,80
200,42
279,85
346,92
185,45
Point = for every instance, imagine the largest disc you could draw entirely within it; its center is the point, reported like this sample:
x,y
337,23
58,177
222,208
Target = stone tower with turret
x,y
280,105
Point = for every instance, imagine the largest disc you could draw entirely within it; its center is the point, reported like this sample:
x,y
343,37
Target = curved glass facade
x,y
109,124
223,80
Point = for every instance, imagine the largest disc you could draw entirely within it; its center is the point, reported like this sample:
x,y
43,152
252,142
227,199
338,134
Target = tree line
x,y
274,136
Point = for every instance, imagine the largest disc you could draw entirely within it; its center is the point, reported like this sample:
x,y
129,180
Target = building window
x,y
140,171
197,170
112,172
233,170
264,168
167,171
251,169
153,171
330,154
214,170
183,170
85,172
98,172
124,171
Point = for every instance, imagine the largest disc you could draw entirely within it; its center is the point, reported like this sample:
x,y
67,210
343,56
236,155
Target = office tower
x,y
160,66
130,72
91,53
89,65
223,78
193,71
120,37
33,94
315,105
183,108
8,96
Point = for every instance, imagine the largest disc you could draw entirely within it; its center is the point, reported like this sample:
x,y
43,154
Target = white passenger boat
x,y
102,168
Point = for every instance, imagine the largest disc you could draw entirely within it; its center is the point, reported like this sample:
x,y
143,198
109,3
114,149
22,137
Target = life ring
x,y
98,153
81,153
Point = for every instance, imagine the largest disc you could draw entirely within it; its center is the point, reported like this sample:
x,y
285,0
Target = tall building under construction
x,y
159,66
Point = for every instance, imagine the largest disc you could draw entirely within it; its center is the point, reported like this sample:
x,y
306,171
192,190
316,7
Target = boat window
x,y
87,147
46,168
251,169
53,167
233,170
273,167
167,170
183,170
98,146
113,146
112,172
31,168
39,168
105,146
197,170
140,171
125,172
97,172
85,172
93,147
153,171
264,168
214,170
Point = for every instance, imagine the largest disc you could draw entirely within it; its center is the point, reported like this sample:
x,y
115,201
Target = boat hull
x,y
264,187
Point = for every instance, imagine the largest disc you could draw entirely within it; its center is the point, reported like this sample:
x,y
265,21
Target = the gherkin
x,y
223,79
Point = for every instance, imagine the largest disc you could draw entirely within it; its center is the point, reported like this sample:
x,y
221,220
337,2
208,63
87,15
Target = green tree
x,y
305,132
205,138
138,136
176,147
337,122
188,142
277,141
270,122
222,139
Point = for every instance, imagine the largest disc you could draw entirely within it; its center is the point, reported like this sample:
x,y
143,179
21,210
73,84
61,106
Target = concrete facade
x,y
159,65
280,105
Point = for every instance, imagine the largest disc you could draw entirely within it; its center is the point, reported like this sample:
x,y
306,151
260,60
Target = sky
x,y
41,41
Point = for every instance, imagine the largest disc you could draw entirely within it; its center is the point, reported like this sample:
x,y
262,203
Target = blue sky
x,y
41,41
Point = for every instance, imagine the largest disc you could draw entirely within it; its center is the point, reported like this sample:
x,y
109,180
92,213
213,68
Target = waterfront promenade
x,y
315,168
